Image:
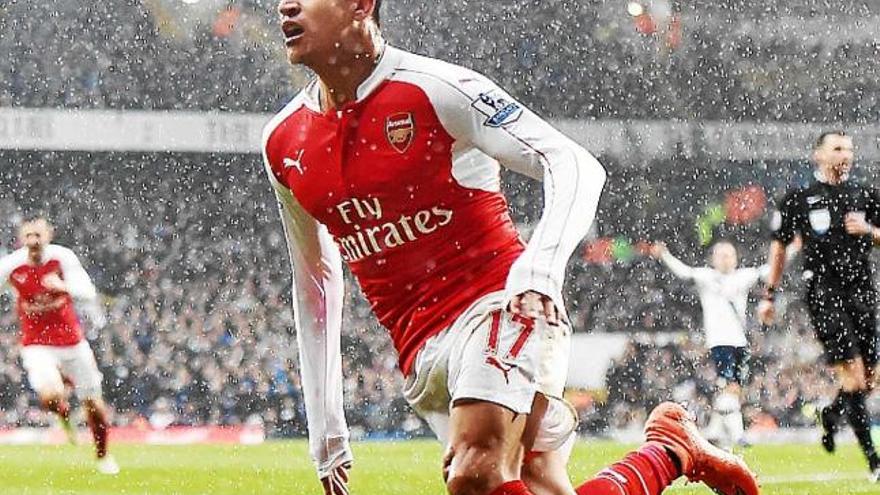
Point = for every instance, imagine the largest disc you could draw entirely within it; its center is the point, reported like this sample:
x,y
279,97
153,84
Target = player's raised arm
x,y
784,232
317,299
7,265
675,265
482,116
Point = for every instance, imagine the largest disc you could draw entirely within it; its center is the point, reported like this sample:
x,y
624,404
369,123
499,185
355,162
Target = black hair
x,y
34,217
821,139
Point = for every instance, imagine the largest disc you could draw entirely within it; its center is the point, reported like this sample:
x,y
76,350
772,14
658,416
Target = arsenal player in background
x,y
46,279
390,162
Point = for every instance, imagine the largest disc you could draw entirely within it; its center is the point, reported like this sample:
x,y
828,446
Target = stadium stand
x,y
189,255
773,61
187,249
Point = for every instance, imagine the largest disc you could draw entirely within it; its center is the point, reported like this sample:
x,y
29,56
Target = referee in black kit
x,y
838,221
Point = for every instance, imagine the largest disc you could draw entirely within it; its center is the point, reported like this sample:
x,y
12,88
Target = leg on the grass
x,y
854,382
829,419
99,423
726,426
728,406
55,402
545,473
45,378
646,471
485,450
548,440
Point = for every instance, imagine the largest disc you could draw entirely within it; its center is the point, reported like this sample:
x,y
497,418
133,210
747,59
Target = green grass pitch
x,y
385,468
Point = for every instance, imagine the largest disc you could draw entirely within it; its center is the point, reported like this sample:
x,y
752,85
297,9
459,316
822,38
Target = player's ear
x,y
363,9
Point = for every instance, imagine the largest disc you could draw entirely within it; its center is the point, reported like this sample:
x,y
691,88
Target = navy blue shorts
x,y
731,363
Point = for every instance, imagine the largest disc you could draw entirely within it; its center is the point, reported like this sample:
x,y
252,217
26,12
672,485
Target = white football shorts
x,y
492,355
46,365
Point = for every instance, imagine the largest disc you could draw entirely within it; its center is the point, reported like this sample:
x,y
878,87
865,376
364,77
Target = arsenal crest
x,y
400,130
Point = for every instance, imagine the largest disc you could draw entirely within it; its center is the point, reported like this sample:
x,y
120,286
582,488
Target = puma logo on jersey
x,y
290,162
502,366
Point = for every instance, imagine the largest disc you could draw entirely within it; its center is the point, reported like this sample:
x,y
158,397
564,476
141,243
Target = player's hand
x,y
33,308
531,304
54,283
336,483
855,224
42,304
766,312
658,249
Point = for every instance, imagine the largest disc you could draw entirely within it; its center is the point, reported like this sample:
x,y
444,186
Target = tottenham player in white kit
x,y
390,162
724,292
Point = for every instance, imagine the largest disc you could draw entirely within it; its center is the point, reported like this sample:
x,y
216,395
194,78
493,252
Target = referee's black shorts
x,y
845,322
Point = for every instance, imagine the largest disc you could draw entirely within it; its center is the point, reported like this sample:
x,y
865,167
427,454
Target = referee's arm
x,y
784,232
776,263
867,223
859,226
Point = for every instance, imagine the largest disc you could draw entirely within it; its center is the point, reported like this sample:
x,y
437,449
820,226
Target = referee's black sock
x,y
832,413
861,425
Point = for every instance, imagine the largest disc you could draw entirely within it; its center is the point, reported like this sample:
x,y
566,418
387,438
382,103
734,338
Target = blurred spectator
x,y
748,60
189,255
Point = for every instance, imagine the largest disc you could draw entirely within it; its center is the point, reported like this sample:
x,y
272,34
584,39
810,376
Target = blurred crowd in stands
x,y
189,256
191,261
745,60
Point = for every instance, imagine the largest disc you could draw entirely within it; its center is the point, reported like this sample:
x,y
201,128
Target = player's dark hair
x,y
376,7
33,217
821,140
37,217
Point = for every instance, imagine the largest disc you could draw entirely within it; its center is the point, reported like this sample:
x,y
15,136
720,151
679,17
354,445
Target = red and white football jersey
x,y
47,317
403,185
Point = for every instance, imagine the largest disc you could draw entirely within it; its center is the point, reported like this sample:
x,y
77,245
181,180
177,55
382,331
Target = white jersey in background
x,y
724,298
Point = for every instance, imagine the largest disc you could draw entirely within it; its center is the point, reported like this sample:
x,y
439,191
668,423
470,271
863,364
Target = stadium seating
x,y
188,252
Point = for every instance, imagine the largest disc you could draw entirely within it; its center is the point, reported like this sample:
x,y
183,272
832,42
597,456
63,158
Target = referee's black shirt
x,y
835,258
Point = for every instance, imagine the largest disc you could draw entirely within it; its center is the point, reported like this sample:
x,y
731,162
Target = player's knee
x,y
546,473
476,470
535,470
853,381
91,398
49,398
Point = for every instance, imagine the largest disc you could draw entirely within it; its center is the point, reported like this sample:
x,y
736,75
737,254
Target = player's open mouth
x,y
292,32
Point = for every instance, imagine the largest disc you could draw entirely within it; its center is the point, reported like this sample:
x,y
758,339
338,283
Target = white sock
x,y
715,429
733,423
728,407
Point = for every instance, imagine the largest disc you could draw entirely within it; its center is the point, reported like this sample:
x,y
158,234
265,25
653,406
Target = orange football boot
x,y
671,426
